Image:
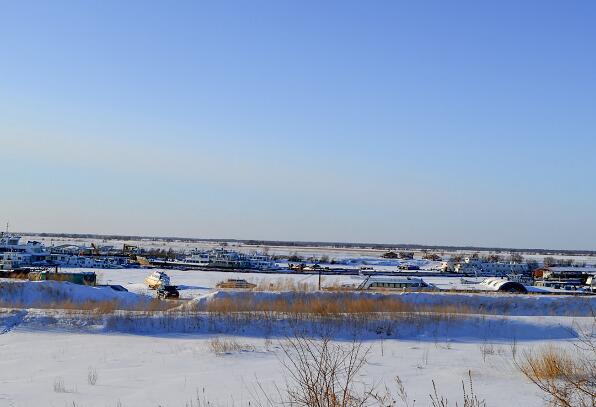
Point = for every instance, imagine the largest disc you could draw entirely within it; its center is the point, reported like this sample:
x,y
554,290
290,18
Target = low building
x,y
568,278
474,266
86,278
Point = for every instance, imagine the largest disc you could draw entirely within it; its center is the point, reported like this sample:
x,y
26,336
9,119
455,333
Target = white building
x,y
473,266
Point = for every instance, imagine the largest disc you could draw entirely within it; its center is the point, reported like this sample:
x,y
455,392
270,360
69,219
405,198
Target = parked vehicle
x,y
167,291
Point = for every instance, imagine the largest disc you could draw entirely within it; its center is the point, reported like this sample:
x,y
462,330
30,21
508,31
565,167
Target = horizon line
x,y
290,243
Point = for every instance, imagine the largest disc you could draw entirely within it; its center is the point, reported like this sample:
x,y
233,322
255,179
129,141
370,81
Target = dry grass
x,y
285,284
329,305
225,346
549,363
96,307
92,376
60,387
567,378
319,313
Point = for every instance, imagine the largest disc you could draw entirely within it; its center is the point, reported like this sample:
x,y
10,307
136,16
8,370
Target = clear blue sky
x,y
464,122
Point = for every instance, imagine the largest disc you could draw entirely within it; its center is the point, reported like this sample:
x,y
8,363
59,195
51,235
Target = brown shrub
x,y
567,378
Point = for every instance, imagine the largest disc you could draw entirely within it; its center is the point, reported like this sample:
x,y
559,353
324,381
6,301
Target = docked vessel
x,y
235,284
223,259
15,254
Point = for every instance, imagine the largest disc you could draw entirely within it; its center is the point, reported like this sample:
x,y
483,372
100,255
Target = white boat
x,y
200,259
157,279
229,259
18,254
235,284
262,262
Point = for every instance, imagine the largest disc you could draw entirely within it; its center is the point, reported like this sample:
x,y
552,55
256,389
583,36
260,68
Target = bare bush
x,y
321,373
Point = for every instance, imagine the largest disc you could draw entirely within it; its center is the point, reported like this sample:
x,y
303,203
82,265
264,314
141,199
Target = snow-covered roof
x,y
578,269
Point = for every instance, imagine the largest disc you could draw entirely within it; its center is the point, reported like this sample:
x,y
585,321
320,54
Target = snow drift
x,y
41,294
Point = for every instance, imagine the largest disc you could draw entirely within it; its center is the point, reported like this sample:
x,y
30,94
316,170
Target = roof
x,y
571,269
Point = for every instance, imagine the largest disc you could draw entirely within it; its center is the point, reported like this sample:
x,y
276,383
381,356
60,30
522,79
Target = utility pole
x,y
319,279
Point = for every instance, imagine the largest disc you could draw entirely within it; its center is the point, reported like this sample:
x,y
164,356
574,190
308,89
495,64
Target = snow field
x,y
168,359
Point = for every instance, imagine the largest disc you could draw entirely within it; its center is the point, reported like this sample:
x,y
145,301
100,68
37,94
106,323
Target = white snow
x,y
158,360
169,370
41,293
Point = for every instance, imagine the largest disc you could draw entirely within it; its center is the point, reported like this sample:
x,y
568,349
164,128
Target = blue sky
x,y
422,122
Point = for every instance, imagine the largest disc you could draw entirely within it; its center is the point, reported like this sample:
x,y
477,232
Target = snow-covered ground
x,y
40,367
47,356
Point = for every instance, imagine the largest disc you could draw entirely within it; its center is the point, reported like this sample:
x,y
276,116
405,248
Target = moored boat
x,y
235,284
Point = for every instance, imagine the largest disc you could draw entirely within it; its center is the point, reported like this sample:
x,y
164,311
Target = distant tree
x,y
390,255
493,258
406,255
475,256
532,265
431,256
294,257
171,254
516,258
550,261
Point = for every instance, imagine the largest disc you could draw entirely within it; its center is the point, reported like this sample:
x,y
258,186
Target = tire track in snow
x,y
9,323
